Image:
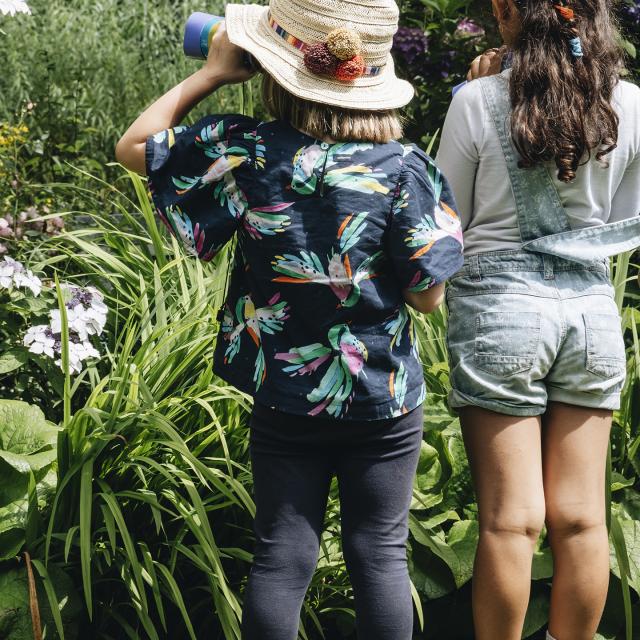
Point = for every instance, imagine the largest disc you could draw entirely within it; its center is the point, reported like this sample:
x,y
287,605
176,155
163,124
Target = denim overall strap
x,y
538,206
543,221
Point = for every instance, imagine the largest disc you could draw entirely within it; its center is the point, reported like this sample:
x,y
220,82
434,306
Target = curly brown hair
x,y
562,104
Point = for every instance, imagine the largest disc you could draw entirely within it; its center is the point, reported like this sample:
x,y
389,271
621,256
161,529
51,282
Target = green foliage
x,y
27,456
15,620
449,51
58,611
19,378
81,72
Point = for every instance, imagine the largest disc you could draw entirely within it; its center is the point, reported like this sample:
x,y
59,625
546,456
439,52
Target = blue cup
x,y
200,31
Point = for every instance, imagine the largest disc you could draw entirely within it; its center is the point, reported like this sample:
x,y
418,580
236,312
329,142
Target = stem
x,y
249,97
36,624
64,338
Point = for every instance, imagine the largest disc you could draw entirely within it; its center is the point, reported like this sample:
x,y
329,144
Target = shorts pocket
x,y
506,342
605,345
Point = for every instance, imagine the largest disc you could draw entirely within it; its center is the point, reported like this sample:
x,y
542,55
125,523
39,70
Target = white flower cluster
x,y
86,316
14,274
86,312
11,7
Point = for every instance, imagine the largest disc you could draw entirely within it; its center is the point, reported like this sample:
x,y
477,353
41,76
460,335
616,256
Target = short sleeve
x,y
192,179
425,236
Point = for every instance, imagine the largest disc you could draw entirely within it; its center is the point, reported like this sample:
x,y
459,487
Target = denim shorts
x,y
527,328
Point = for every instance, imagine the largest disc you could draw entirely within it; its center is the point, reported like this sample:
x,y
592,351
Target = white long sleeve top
x,y
471,158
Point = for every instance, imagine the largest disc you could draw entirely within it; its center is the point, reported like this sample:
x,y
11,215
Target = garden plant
x,y
125,487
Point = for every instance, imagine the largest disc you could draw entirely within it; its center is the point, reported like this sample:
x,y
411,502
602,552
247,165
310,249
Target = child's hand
x,y
225,63
487,64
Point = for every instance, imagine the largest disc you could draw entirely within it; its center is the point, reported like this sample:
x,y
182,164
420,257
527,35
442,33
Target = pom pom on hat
x,y
349,70
318,59
344,43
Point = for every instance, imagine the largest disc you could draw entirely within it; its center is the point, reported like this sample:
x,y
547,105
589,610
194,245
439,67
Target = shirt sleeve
x,y
425,237
192,179
626,202
459,151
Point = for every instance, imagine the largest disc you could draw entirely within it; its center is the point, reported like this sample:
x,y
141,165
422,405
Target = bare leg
x,y
505,457
574,445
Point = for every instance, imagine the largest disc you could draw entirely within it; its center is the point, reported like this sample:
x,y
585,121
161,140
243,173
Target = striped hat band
x,y
303,46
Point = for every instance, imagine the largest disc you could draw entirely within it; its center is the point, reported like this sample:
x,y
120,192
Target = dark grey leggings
x,y
293,459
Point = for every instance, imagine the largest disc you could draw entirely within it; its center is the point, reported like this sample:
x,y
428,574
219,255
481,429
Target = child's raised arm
x,y
223,66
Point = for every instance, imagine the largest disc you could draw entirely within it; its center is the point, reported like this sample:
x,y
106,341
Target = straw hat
x,y
283,37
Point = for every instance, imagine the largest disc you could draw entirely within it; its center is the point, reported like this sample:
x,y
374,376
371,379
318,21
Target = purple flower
x,y
631,14
410,43
441,67
467,28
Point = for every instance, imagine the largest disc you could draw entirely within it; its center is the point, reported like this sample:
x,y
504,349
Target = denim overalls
x,y
540,323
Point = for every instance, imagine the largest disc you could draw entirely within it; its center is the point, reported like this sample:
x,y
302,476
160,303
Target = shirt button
x,y
324,145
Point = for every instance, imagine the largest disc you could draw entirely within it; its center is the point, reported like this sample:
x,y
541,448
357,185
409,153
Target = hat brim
x,y
248,28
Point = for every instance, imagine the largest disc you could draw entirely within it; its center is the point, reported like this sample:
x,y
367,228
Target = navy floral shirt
x,y
328,235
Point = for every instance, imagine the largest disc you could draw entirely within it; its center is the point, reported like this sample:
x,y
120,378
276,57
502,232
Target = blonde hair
x,y
324,121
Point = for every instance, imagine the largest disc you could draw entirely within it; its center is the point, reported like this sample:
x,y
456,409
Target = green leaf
x,y
15,618
626,563
542,566
27,448
436,414
24,428
457,551
463,540
430,574
418,605
459,488
54,586
538,610
630,530
176,596
51,595
12,360
429,469
629,47
29,307
612,623
618,481
86,502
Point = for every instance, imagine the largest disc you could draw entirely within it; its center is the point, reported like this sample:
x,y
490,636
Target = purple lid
x,y
194,31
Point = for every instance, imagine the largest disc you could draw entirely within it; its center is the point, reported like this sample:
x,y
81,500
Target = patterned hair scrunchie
x,y
567,14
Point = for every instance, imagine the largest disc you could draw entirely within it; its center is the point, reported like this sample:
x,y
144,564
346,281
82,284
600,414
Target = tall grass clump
x,y
152,509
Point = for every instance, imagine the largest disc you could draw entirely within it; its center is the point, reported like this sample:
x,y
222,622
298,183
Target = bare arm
x,y
425,301
224,66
